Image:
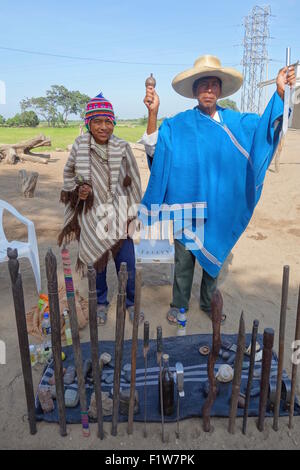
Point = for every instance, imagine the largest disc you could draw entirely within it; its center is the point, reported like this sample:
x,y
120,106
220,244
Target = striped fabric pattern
x,y
84,161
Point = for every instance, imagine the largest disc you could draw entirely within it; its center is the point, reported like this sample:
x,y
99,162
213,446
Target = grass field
x,y
62,137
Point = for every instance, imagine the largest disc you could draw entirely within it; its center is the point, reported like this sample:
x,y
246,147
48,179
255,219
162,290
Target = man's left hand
x,y
286,76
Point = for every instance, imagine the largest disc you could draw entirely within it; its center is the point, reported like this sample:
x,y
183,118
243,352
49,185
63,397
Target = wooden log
x,y
236,383
137,310
10,157
28,182
95,347
26,145
51,271
295,366
34,158
76,340
119,341
18,296
23,149
268,342
284,299
216,310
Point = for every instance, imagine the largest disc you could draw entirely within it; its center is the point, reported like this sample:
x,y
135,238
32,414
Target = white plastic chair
x,y
25,249
159,249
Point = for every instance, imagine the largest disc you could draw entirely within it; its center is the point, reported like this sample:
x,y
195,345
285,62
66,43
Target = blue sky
x,y
170,34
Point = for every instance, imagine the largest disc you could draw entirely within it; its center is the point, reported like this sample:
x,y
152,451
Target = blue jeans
x,y
125,255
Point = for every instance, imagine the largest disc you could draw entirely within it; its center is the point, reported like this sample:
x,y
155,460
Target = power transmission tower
x,y
255,57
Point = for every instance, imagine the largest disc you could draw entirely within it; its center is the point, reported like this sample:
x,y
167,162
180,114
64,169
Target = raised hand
x,y
286,76
151,100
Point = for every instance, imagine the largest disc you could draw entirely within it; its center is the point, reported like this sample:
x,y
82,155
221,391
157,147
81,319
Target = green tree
x,y
230,104
43,108
29,119
25,119
56,107
14,121
2,121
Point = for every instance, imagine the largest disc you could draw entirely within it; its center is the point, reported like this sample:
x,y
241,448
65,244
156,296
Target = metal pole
x,y
250,373
216,310
119,341
135,328
236,383
146,349
159,356
295,367
284,299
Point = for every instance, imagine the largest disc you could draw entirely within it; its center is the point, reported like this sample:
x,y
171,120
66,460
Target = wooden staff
x,y
119,341
76,340
236,383
95,346
295,367
216,311
268,342
137,309
51,271
250,373
145,350
159,356
18,296
284,299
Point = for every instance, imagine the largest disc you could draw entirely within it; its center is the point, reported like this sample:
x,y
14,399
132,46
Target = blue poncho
x,y
221,164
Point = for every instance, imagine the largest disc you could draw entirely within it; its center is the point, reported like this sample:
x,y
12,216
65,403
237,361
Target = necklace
x,y
102,152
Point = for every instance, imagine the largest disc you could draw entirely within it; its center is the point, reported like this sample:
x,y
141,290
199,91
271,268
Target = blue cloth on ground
x,y
222,164
180,349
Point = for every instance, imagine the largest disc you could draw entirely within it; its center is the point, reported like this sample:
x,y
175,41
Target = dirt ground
x,y
250,281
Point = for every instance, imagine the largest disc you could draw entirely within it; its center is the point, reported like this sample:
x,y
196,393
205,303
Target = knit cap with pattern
x,y
99,107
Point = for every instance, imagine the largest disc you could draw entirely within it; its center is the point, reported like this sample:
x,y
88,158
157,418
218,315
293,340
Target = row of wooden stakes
x,y
18,297
217,307
268,343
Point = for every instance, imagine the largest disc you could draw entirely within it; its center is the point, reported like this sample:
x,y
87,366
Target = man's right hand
x,y
152,100
84,191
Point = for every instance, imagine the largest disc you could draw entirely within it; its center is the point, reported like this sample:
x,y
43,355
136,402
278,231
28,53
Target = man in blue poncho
x,y
210,156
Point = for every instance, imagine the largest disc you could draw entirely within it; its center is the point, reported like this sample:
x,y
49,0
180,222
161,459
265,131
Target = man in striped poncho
x,y
101,191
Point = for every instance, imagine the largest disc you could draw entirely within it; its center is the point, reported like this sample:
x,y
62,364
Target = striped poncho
x,y
116,191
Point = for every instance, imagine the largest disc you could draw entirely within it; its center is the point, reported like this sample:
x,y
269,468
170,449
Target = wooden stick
x,y
119,341
216,310
18,296
145,350
159,356
250,373
236,383
265,375
294,367
51,271
284,299
95,346
76,340
137,310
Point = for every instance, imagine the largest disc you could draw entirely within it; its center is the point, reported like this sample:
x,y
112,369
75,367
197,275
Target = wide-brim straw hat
x,y
208,66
